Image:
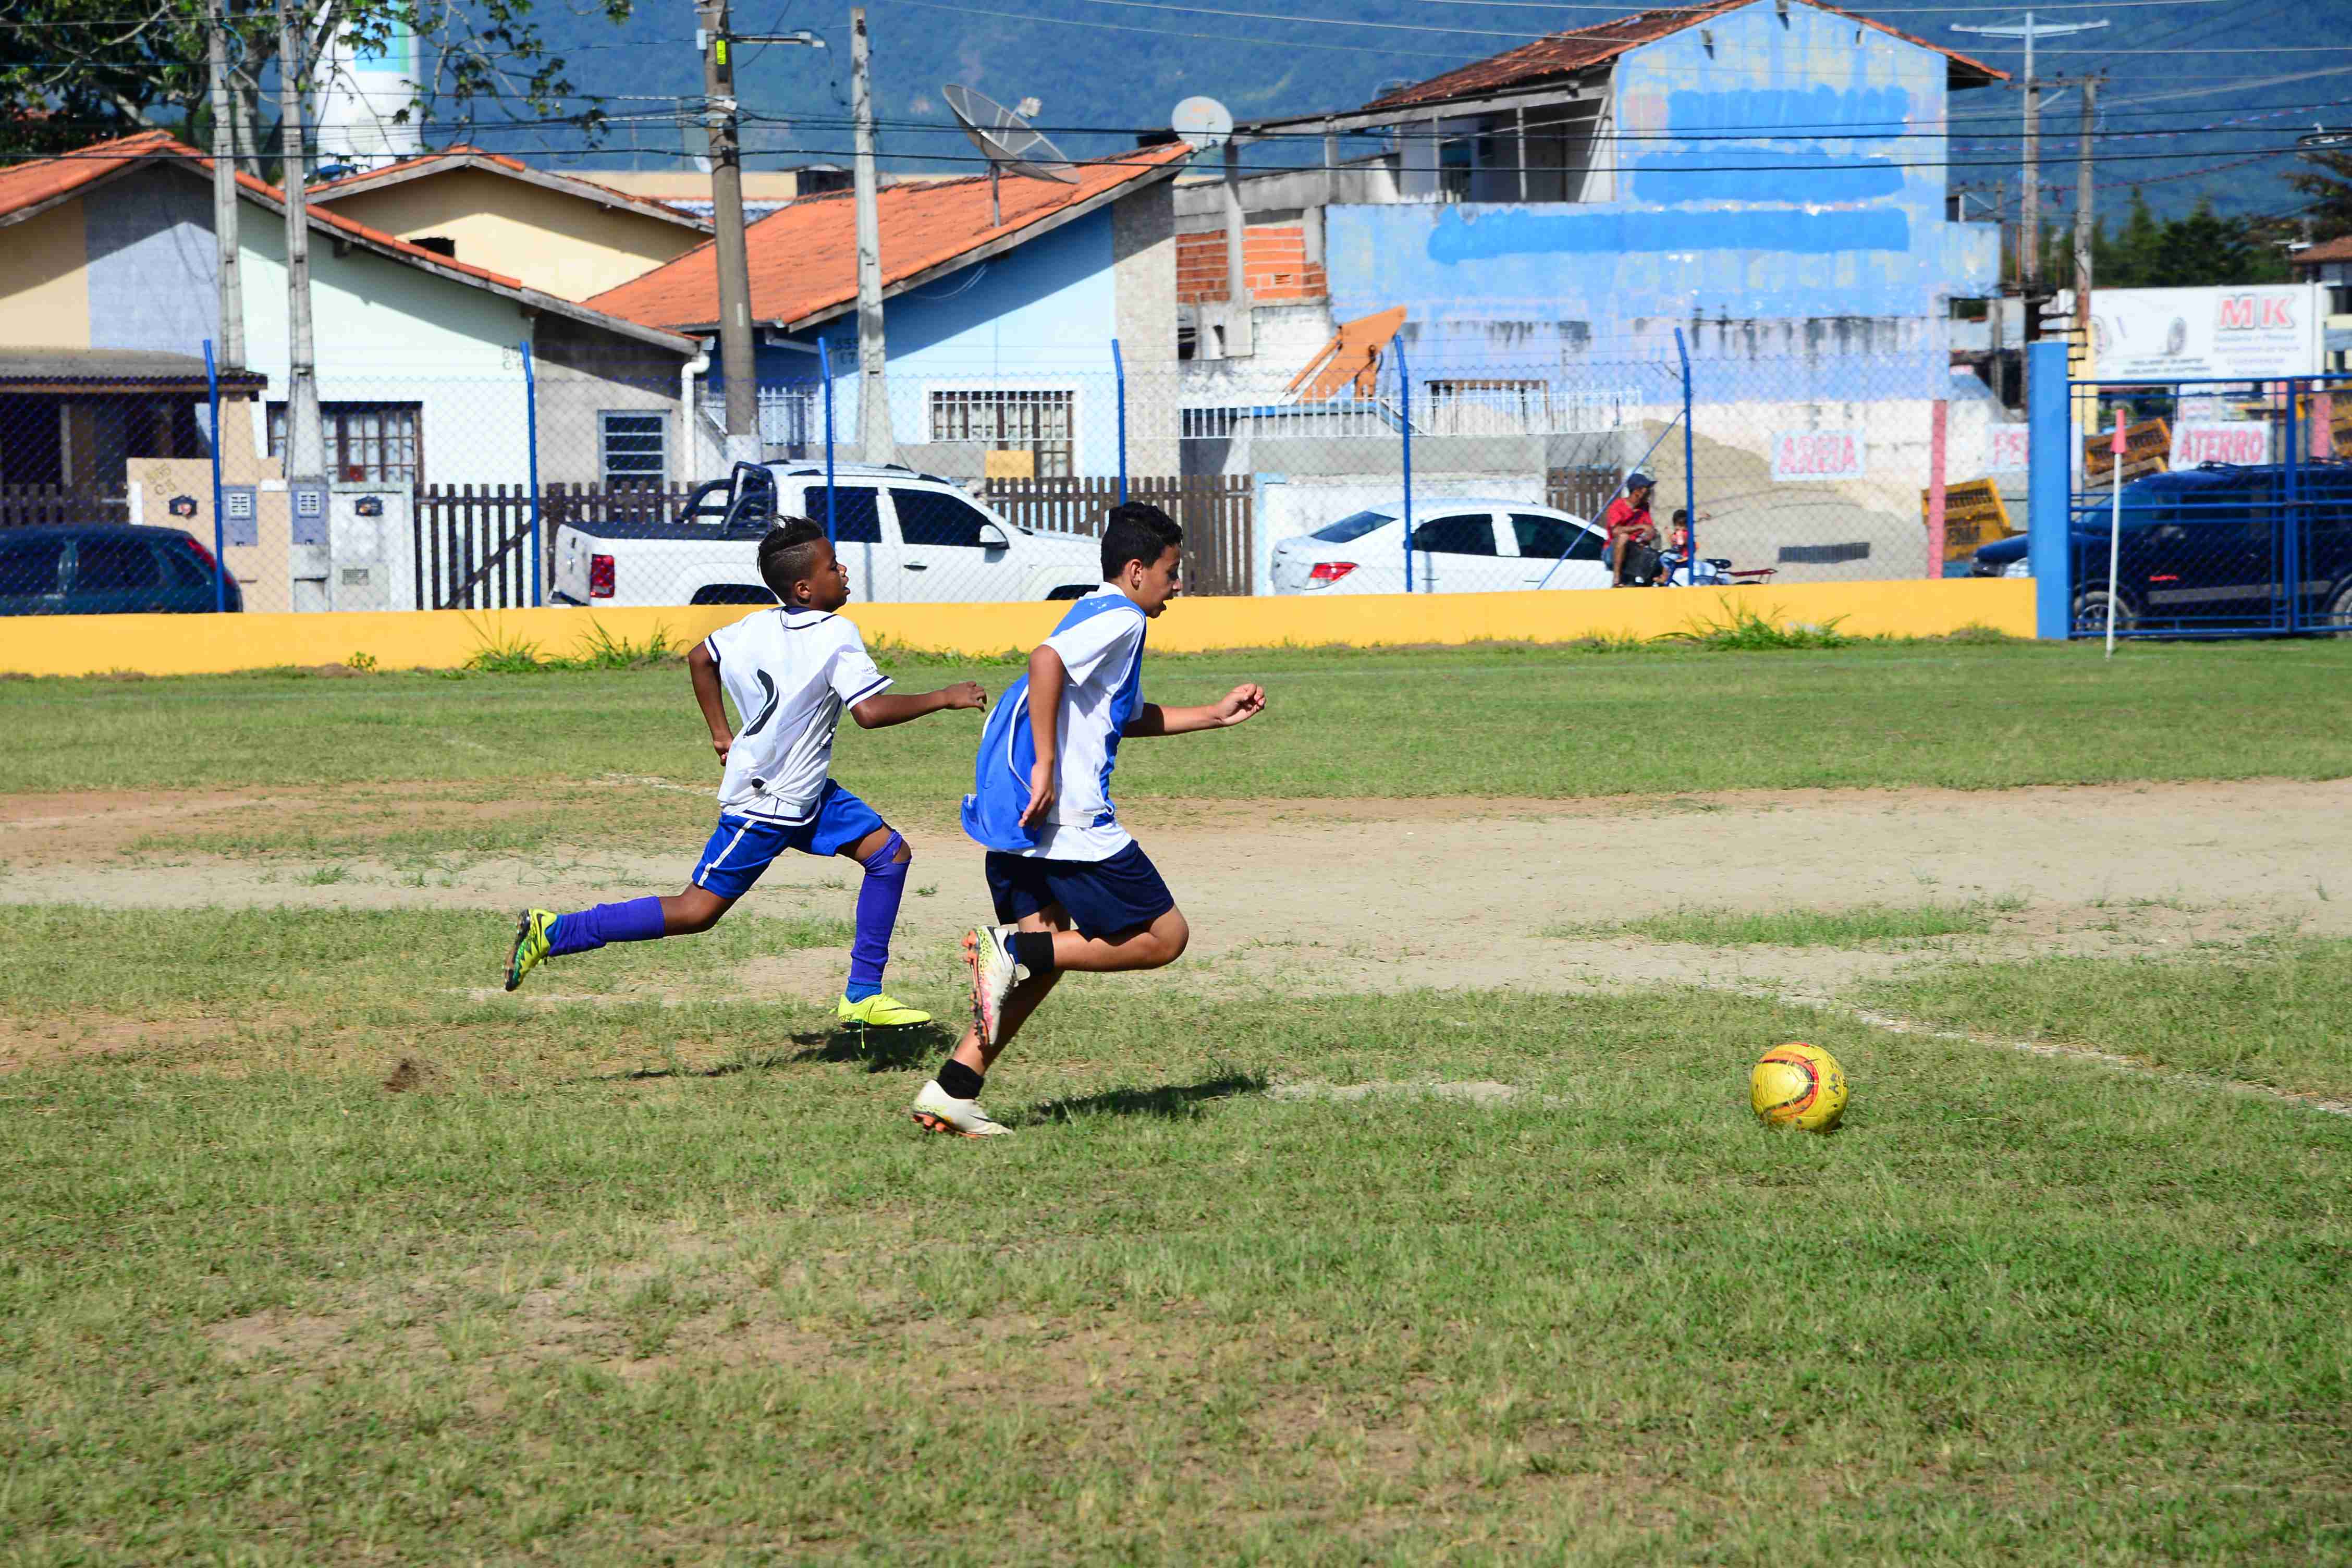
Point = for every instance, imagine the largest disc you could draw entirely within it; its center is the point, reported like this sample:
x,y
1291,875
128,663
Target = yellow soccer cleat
x,y
880,1011
530,945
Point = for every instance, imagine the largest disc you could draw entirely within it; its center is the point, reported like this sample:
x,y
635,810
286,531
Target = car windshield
x,y
1351,527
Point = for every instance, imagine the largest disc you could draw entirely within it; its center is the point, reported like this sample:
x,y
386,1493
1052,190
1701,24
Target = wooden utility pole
x,y
874,438
306,450
2083,218
228,289
738,362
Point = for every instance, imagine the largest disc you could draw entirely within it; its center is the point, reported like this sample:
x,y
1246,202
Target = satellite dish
x,y
1009,142
1201,123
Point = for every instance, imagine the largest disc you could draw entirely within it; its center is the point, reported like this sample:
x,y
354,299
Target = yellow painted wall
x,y
441,639
45,281
559,244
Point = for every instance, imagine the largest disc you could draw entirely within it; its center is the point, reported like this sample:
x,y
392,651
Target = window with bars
x,y
1488,407
1021,421
633,447
367,443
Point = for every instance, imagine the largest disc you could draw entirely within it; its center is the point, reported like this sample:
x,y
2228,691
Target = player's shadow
x,y
1171,1103
880,1050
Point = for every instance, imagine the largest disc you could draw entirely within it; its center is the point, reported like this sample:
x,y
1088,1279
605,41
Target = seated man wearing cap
x,y
1633,533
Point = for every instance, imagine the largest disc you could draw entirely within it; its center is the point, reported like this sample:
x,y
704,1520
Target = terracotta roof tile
x,y
804,255
1579,49
30,184
2326,250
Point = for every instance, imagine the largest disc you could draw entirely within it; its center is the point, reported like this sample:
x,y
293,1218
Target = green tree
x,y
2327,179
76,71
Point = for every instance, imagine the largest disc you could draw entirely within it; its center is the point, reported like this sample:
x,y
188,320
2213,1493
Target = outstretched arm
x,y
1237,706
703,671
891,708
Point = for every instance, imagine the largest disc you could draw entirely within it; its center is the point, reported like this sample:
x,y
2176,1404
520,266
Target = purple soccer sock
x,y
878,912
638,919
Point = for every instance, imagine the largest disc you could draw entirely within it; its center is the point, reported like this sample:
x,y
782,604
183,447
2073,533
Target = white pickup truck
x,y
904,536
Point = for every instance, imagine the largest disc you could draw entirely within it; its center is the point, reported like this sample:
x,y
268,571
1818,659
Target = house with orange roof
x,y
557,232
999,319
109,299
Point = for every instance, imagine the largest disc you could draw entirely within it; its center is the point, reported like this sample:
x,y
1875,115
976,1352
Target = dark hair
x,y
788,554
1136,531
1682,518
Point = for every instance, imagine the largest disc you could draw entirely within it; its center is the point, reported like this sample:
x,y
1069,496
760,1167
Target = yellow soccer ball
x,y
1798,1085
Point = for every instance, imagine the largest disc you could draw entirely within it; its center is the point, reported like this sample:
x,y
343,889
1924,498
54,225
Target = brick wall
x,y
1274,266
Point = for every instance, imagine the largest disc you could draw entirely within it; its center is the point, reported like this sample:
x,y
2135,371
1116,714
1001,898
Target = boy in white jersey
x,y
1071,886
791,672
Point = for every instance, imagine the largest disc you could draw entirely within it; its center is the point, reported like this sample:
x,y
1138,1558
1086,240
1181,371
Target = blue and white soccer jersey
x,y
1080,858
790,673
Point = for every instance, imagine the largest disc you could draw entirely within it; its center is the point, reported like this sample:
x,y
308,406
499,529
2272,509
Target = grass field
x,y
1366,1234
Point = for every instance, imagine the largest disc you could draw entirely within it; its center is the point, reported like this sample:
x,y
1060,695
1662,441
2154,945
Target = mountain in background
x,y
2194,93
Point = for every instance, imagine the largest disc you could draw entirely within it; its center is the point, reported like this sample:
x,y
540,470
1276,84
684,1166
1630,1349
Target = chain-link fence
x,y
1426,468
2208,508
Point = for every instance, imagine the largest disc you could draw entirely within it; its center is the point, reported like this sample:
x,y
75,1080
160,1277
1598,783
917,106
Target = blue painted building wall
x,y
1040,316
1781,198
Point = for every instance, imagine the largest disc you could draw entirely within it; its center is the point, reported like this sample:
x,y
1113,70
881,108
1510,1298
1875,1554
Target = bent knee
x,y
1173,935
906,852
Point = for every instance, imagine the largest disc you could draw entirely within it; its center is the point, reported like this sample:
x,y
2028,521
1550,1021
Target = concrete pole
x,y
2083,222
229,285
1236,285
738,361
2028,202
874,435
306,447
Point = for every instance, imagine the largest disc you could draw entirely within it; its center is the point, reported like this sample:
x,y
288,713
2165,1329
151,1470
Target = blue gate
x,y
2227,513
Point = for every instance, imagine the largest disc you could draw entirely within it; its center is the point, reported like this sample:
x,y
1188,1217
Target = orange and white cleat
x,y
988,953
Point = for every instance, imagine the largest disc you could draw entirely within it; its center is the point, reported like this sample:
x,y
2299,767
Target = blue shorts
x,y
1104,898
742,846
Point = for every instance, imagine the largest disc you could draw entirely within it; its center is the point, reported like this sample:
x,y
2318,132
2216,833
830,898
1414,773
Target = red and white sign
x,y
2008,448
1817,454
2240,441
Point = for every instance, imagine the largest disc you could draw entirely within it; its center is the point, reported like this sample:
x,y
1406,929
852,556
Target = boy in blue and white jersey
x,y
1072,888
791,672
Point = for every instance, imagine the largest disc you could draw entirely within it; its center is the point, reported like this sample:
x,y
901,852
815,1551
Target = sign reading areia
x,y
1817,454
2163,335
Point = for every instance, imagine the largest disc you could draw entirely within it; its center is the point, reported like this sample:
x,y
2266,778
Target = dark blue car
x,y
107,569
2211,549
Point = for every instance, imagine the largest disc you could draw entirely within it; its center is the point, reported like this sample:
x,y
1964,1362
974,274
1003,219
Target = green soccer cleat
x,y
530,945
880,1011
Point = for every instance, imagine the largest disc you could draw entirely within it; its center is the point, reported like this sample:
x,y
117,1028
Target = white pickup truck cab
x,y
904,536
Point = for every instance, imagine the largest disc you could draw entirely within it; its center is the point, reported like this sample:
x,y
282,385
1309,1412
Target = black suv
x,y
2209,550
107,569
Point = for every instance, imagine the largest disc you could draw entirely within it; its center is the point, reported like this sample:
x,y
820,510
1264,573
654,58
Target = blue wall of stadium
x,y
1820,240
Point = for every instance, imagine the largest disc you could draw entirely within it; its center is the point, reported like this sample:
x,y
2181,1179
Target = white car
x,y
904,536
1459,546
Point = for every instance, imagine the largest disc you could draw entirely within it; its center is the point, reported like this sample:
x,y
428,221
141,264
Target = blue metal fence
x,y
2227,511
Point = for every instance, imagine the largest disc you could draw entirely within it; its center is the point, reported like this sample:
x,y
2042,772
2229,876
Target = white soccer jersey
x,y
1101,645
790,674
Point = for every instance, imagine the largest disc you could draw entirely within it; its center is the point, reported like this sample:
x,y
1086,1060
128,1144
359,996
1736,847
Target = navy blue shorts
x,y
742,846
1104,898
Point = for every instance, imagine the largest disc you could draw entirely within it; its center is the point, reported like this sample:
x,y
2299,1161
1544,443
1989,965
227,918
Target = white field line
x,y
1894,1025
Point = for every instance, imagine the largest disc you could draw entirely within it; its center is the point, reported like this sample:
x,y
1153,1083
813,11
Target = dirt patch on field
x,y
1358,895
69,829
